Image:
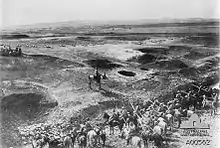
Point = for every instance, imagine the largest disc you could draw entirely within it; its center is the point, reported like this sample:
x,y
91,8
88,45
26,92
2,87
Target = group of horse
x,y
6,50
83,135
149,121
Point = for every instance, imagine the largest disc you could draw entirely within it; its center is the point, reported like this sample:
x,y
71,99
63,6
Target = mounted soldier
x,y
114,121
97,78
123,114
114,116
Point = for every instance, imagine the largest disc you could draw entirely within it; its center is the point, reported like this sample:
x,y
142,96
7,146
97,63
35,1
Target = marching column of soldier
x,y
150,121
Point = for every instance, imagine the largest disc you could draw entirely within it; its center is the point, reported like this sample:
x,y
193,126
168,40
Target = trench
x,y
102,64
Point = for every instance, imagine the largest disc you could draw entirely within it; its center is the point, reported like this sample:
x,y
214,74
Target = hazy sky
x,y
20,12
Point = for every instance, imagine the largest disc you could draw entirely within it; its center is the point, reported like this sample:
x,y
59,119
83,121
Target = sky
x,y
23,12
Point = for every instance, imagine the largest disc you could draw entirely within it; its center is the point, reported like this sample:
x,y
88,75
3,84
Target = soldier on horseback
x,y
97,77
114,116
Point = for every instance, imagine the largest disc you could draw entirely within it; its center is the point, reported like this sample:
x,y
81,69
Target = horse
x,y
169,119
67,142
115,122
163,125
55,143
146,136
212,105
134,140
106,116
215,105
177,116
92,138
97,78
82,141
101,135
74,135
39,143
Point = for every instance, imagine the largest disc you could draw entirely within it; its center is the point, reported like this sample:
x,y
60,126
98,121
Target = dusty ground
x,y
55,67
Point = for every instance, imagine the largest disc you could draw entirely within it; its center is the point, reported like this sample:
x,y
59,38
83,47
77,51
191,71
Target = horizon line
x,y
104,21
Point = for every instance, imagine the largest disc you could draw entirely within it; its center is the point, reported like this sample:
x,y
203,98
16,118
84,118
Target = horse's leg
x,y
111,130
103,140
139,143
146,142
90,81
119,130
88,141
100,87
215,110
90,84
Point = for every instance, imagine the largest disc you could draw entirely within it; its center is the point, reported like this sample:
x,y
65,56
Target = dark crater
x,y
143,59
127,73
102,64
26,103
20,109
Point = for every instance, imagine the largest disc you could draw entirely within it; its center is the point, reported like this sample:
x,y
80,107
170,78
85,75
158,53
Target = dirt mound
x,y
102,64
209,65
189,72
18,109
180,48
127,73
171,65
211,80
214,61
55,61
165,65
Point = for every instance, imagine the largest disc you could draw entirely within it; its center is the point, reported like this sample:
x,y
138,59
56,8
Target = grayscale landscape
x,y
47,86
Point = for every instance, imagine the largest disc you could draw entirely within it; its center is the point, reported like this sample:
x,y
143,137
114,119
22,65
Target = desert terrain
x,y
48,84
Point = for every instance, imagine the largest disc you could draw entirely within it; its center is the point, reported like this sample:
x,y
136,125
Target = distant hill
x,y
165,22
